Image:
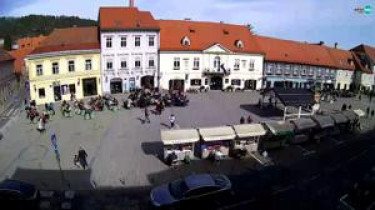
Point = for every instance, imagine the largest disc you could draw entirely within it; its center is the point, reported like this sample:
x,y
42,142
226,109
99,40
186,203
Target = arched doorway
x,y
116,85
147,82
216,83
250,84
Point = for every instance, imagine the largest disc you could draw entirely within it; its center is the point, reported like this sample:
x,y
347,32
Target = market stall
x,y
215,141
325,126
303,130
247,138
341,123
179,144
279,132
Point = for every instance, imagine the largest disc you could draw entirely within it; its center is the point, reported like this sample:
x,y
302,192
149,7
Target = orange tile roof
x,y
203,35
368,50
30,42
343,58
360,65
287,51
126,18
76,38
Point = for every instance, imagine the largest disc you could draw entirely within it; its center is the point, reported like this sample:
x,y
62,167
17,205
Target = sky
x,y
303,20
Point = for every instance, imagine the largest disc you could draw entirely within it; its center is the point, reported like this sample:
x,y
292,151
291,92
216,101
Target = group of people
x,y
249,120
41,116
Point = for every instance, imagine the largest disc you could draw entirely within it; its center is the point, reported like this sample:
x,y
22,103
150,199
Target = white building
x,y
213,55
129,41
365,62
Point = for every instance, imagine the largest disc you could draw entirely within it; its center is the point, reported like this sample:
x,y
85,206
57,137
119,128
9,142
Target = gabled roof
x,y
76,38
203,35
368,50
343,59
287,51
126,18
360,64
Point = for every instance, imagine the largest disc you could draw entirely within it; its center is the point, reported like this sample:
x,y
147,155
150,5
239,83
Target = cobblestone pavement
x,y
123,151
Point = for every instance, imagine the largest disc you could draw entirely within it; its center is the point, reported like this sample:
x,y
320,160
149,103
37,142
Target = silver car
x,y
190,188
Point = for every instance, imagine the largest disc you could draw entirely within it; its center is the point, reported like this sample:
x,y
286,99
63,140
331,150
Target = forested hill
x,y
33,25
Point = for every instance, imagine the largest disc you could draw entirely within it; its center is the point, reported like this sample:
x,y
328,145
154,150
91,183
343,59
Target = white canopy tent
x,y
217,133
249,130
181,136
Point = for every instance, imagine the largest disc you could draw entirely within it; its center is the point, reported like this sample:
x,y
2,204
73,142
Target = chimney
x,y
336,45
321,43
131,3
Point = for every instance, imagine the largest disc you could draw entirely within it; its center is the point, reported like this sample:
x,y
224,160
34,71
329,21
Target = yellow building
x,y
66,63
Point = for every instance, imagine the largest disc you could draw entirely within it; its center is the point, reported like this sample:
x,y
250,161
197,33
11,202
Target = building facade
x,y
129,49
8,82
190,58
365,62
66,63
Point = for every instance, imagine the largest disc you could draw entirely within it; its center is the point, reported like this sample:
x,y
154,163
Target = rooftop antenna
x,y
131,3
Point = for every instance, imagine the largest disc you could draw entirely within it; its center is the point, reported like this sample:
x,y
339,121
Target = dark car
x,y
18,194
194,187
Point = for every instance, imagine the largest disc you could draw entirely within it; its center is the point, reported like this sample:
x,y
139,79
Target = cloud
x,y
7,6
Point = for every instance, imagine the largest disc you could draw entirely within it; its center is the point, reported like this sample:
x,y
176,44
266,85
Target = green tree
x,y
8,42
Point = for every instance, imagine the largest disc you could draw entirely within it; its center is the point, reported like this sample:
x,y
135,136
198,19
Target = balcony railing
x,y
221,71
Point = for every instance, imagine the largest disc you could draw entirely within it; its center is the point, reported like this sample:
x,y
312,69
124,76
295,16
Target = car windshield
x,y
178,188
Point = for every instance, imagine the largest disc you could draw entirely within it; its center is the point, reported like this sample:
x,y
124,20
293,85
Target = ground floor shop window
x,y
89,87
72,88
236,82
195,82
42,93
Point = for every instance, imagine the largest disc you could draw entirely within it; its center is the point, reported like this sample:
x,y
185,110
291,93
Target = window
x,y
318,72
88,64
217,63
123,41
185,41
303,71
137,42
236,82
239,44
72,88
237,64
108,42
195,82
312,70
269,68
42,93
176,64
151,41
137,62
296,70
123,64
279,69
196,64
151,63
71,66
39,70
226,81
55,68
251,65
109,65
243,64
287,69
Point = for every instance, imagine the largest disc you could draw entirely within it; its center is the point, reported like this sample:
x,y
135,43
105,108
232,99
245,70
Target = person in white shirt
x,y
172,120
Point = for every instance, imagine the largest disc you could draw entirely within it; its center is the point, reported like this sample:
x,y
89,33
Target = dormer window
x,y
239,44
185,41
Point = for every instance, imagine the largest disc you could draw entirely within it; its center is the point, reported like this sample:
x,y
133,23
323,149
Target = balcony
x,y
214,71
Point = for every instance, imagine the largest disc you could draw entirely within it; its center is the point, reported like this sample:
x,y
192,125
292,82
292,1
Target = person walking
x,y
242,120
82,157
172,120
147,115
249,120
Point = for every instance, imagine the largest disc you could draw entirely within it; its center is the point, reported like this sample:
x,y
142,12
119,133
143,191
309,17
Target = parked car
x,y
16,194
191,188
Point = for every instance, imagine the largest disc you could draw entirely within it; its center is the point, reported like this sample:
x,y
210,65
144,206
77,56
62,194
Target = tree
x,y
8,42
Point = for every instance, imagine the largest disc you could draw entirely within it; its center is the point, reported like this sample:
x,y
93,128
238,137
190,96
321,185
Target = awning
x,y
304,123
350,115
359,112
182,136
339,118
249,130
279,127
324,121
217,133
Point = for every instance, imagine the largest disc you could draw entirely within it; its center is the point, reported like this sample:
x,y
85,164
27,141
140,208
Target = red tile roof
x,y
26,46
368,50
126,18
203,35
76,38
360,65
287,51
343,59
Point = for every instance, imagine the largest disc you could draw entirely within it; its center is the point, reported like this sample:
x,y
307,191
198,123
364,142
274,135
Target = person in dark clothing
x,y
249,120
147,115
350,107
343,108
242,120
368,112
372,113
82,157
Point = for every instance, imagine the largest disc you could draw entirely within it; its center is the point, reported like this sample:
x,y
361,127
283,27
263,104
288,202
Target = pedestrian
x,y
82,157
172,120
242,120
147,115
76,161
42,124
368,112
343,108
249,120
350,107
